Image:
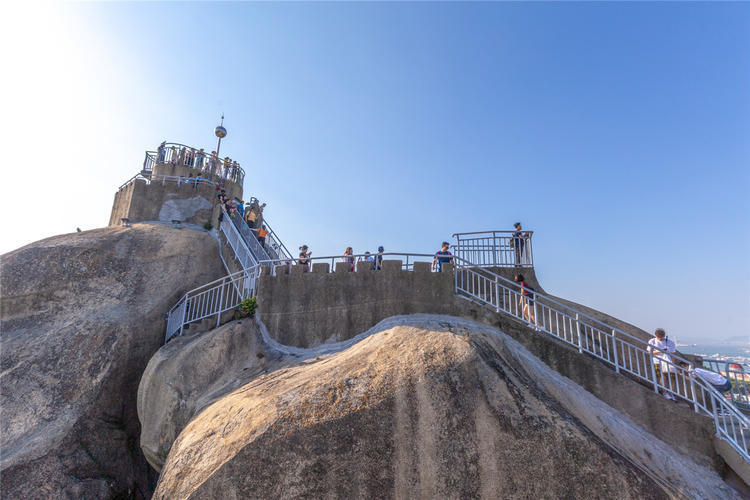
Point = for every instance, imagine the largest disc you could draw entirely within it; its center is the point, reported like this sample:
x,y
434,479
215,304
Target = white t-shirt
x,y
709,376
665,345
663,360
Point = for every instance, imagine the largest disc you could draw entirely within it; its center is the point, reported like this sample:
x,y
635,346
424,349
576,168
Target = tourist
x,y
235,168
213,163
518,241
526,301
379,259
370,259
227,166
304,257
173,156
349,257
250,216
222,196
719,382
199,156
189,157
161,152
661,347
262,233
260,214
241,208
439,259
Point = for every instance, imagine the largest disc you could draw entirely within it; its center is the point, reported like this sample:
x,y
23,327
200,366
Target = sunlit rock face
x,y
430,409
81,316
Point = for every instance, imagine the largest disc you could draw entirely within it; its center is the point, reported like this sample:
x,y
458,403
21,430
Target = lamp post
x,y
220,132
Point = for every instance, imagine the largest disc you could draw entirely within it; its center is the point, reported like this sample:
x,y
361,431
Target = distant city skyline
x,y
618,132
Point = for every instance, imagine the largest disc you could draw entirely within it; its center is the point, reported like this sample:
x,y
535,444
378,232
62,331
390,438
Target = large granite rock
x,y
191,372
432,407
81,316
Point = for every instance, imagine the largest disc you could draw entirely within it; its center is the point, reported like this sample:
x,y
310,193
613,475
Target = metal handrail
x,y
739,378
498,248
183,155
247,235
276,244
149,178
627,354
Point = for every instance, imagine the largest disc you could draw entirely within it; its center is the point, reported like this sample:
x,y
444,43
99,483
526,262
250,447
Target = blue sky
x,y
617,131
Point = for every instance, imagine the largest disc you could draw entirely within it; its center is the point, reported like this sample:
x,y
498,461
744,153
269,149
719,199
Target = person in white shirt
x,y
661,348
717,380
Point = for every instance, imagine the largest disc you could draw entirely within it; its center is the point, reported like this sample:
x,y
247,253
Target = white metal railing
x,y
179,180
495,248
627,354
172,153
236,242
737,373
259,252
211,300
274,245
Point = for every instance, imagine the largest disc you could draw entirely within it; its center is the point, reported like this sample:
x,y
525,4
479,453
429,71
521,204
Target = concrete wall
x,y
142,201
307,309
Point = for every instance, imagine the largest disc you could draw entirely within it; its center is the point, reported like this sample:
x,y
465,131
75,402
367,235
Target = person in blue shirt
x,y
379,258
518,241
440,258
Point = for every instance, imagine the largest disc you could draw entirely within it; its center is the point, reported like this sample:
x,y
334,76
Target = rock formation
x,y
420,406
81,316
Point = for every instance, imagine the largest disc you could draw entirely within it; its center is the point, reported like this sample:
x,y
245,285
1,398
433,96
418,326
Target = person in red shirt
x,y
526,302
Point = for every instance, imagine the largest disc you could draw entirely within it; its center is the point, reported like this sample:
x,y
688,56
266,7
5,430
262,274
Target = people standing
x,y
379,258
440,257
349,257
161,152
526,301
661,347
304,258
199,156
518,242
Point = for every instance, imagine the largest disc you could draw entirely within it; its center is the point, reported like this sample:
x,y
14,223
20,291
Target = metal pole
x,y
578,330
614,346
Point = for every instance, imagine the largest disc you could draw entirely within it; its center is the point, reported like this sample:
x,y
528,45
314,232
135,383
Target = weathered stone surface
x,y
441,408
190,373
81,316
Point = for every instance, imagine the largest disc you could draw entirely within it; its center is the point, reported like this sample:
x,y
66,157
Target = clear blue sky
x,y
619,132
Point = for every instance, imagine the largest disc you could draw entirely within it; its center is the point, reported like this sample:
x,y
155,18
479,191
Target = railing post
x,y
221,300
497,295
614,346
653,372
692,391
184,313
494,250
578,331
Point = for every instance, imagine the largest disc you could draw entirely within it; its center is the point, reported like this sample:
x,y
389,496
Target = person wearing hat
x,y
379,258
304,258
368,258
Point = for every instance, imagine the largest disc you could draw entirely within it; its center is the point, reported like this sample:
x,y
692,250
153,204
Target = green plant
x,y
248,306
208,226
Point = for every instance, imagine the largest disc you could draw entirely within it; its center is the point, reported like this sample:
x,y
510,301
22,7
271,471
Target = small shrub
x,y
248,306
208,226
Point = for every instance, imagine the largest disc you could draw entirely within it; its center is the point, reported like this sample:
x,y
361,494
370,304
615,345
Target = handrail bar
x,y
490,232
705,398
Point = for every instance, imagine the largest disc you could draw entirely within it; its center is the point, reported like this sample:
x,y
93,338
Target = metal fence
x,y
495,248
737,373
628,355
171,153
